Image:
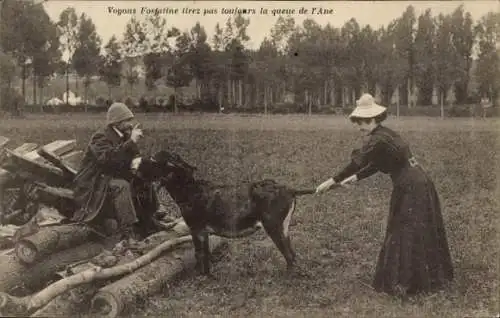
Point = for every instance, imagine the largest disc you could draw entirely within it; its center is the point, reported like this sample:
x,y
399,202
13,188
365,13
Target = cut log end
x,y
149,279
26,252
105,304
50,239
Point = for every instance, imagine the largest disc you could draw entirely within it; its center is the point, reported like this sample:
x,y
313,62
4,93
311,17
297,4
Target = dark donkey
x,y
227,211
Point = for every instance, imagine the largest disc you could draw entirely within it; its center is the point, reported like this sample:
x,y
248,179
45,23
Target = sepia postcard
x,y
249,158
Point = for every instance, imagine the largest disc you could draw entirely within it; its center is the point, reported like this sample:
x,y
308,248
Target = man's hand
x,y
325,185
135,163
136,133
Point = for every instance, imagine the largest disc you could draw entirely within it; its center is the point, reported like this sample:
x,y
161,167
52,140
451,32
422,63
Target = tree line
x,y
307,64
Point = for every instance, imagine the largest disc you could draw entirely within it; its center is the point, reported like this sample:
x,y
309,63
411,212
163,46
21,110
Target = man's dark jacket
x,y
108,156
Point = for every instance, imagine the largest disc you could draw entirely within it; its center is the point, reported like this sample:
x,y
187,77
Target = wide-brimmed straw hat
x,y
366,107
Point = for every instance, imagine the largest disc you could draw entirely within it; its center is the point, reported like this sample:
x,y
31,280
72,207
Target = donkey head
x,y
171,169
163,165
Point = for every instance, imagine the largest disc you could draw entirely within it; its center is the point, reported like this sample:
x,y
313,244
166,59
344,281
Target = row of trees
x,y
308,63
32,45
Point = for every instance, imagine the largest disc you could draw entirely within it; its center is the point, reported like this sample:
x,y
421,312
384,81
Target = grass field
x,y
337,235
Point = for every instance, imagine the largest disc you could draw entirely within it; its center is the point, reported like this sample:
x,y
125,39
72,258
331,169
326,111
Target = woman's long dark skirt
x,y
415,256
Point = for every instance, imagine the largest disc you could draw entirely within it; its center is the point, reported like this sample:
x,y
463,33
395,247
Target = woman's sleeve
x,y
362,162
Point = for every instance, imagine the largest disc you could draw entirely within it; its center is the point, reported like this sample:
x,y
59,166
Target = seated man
x,y
104,179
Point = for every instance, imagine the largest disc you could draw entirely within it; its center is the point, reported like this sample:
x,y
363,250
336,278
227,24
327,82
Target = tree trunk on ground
x,y
117,298
51,239
13,274
79,298
60,307
92,275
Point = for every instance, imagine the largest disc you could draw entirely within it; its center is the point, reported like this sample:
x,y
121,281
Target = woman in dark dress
x,y
414,257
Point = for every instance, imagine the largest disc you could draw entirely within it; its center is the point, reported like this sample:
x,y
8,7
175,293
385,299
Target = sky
x,y
108,21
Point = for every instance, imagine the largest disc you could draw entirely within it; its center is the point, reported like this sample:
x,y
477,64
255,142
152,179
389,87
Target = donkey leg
x,y
282,243
202,251
198,250
286,231
206,253
278,231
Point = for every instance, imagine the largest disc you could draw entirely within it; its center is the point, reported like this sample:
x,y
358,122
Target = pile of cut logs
x,y
52,268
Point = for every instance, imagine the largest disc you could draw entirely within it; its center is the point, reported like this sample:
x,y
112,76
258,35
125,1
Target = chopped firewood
x,y
50,239
11,305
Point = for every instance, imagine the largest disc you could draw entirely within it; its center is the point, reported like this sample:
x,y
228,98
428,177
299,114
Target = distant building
x,y
54,102
395,97
73,100
289,97
435,96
